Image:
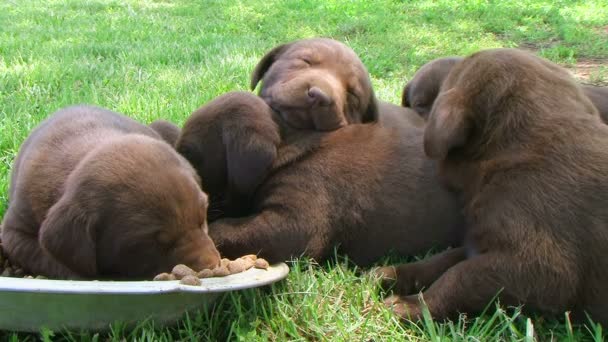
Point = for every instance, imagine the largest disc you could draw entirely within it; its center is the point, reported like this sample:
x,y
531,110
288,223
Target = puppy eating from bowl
x,y
94,194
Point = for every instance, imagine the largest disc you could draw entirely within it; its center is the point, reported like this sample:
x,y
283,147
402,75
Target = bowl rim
x,y
253,277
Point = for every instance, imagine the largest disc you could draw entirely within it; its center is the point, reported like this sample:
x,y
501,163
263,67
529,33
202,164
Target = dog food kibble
x,y
181,271
251,257
164,276
190,280
18,272
8,272
206,273
237,266
261,263
221,271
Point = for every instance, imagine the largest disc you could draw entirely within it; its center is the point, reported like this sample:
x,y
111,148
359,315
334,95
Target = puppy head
x,y
231,142
420,93
316,84
495,96
131,209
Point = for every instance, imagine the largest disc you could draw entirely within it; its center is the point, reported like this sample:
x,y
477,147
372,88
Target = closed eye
x,y
306,60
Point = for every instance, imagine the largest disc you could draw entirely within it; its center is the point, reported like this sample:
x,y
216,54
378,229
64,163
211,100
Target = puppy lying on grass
x,y
518,138
94,194
316,165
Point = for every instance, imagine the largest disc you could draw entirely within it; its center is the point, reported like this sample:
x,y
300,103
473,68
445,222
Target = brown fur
x,y
391,114
364,187
420,92
167,130
599,97
95,194
526,148
316,84
232,143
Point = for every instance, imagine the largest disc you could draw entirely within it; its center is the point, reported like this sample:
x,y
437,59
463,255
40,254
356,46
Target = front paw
x,y
387,276
402,279
406,308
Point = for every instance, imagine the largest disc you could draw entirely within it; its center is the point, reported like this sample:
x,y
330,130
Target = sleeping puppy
x,y
94,194
364,187
167,130
420,92
316,83
516,135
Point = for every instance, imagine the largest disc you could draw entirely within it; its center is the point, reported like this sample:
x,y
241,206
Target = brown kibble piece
x,y
248,263
164,277
206,273
237,266
252,257
191,280
180,271
18,272
261,263
225,262
221,271
41,277
8,272
28,277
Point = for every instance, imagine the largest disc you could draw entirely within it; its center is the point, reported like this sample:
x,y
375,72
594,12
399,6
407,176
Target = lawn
x,y
163,59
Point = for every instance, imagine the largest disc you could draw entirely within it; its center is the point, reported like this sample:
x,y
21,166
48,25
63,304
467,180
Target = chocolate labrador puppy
x,y
316,83
516,135
366,188
167,130
420,92
94,194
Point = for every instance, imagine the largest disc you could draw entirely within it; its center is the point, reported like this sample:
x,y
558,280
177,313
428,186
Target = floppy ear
x,y
404,96
68,235
265,63
371,114
250,153
446,129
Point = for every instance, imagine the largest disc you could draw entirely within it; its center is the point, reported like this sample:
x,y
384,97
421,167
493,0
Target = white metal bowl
x,y
31,304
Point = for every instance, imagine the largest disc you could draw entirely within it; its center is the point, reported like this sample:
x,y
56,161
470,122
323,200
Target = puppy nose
x,y
318,97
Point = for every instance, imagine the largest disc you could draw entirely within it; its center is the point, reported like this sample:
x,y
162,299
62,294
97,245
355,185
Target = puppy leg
x,y
24,250
272,234
470,285
413,277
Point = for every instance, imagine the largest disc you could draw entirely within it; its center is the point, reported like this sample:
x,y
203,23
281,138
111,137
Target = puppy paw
x,y
387,276
406,308
402,279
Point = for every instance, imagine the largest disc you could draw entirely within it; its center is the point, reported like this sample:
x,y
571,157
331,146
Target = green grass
x,y
163,59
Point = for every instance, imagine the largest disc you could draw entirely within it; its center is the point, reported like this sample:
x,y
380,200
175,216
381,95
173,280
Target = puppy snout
x,y
210,258
317,96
